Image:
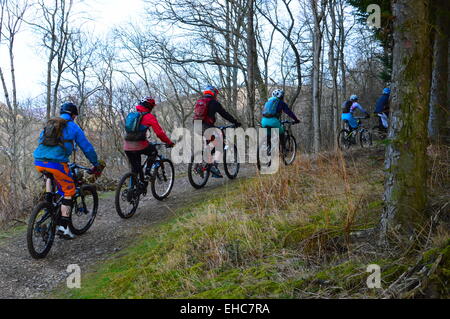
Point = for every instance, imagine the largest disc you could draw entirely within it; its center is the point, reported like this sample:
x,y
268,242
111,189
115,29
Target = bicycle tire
x,y
191,168
343,136
294,143
93,190
225,164
120,195
365,135
155,176
31,227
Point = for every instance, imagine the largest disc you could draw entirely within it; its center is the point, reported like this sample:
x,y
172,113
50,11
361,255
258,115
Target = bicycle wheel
x,y
41,230
198,173
127,196
231,167
365,138
84,210
162,179
265,147
344,141
290,150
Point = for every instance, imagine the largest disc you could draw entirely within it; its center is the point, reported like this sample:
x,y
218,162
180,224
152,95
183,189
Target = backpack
x,y
53,132
133,128
201,110
346,106
270,108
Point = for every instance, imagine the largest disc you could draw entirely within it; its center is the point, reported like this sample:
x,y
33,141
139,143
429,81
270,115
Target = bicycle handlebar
x,y
74,165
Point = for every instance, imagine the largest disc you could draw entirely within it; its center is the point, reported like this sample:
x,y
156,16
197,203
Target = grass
x,y
287,235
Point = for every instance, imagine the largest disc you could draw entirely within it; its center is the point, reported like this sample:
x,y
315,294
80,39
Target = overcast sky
x,y
30,65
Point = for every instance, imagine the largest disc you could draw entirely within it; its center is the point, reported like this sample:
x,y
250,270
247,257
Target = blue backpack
x,y
270,108
133,128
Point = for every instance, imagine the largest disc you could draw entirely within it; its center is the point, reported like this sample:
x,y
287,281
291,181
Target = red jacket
x,y
148,120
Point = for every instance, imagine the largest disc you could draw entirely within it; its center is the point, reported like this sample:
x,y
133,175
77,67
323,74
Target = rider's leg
x,y
134,159
151,153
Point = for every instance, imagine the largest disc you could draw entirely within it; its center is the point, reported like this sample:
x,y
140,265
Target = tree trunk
x,y
251,53
439,109
405,184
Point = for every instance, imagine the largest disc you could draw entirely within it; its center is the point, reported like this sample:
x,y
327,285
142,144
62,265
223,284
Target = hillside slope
x,y
297,234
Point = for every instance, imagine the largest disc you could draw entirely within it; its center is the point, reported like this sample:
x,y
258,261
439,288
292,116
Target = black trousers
x,y
134,158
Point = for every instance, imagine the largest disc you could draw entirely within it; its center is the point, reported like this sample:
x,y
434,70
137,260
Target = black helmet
x,y
69,108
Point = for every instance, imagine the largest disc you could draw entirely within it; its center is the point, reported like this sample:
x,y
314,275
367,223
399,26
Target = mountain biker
x,y
136,145
53,159
273,110
347,111
382,109
205,110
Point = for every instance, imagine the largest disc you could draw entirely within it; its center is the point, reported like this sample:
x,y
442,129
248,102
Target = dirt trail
x,y
23,277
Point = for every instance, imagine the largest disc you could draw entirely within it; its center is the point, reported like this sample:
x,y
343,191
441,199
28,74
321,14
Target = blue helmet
x,y
354,97
386,91
69,108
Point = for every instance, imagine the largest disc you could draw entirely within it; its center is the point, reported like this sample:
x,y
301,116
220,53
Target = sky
x,y
30,62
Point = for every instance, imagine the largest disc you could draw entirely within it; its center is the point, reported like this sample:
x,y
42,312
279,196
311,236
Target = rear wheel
x,y
41,230
232,165
127,196
198,173
162,179
263,156
344,141
84,210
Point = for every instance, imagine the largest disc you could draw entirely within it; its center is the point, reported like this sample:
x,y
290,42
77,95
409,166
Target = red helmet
x,y
211,90
147,102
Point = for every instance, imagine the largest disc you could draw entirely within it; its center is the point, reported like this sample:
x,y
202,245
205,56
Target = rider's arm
x,y
359,107
285,108
219,109
85,145
150,120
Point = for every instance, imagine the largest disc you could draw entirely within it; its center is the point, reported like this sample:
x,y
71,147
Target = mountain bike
x,y
198,173
348,136
288,149
160,174
44,218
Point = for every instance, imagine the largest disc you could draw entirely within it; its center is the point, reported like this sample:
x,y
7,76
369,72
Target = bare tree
x,y
54,28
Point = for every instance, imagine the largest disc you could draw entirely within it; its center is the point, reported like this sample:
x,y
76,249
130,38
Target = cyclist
x,y
347,111
136,144
382,109
56,143
205,110
273,110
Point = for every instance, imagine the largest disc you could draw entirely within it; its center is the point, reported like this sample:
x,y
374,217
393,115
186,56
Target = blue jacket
x,y
382,104
58,154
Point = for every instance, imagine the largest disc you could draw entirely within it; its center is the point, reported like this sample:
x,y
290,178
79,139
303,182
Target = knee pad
x,y
67,202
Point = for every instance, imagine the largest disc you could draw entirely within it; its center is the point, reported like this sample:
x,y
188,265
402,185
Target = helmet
x,y
210,90
386,91
354,97
69,108
147,102
278,93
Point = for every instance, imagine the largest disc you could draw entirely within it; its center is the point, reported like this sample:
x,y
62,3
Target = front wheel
x,y
127,195
231,165
163,177
365,138
84,210
41,230
290,150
